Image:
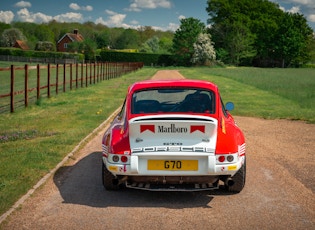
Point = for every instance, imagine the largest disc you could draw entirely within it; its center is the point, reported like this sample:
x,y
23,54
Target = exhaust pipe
x,y
117,181
229,182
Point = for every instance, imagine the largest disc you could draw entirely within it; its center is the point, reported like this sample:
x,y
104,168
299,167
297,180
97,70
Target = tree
x,y
87,47
43,33
3,27
311,47
45,46
129,39
240,43
9,37
151,45
103,39
35,32
165,44
204,51
145,33
257,30
184,38
292,40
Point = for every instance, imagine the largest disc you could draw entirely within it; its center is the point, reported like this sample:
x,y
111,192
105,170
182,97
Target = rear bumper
x,y
208,165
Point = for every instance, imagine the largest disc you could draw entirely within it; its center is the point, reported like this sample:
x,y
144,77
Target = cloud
x,y
294,9
75,6
305,7
180,17
295,2
6,16
69,17
302,2
138,5
117,20
172,26
169,27
134,22
26,16
114,19
87,8
23,4
311,18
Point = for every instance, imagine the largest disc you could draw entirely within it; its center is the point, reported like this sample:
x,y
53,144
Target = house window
x,y
65,45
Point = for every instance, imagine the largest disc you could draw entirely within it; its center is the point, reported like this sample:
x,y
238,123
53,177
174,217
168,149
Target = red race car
x,y
174,135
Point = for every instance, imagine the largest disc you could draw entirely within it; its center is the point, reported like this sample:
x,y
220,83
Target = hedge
x,y
40,54
146,58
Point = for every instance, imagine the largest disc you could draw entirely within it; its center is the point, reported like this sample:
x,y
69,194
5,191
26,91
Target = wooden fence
x,y
21,85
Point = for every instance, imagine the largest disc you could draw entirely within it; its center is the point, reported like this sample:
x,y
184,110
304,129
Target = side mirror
x,y
229,106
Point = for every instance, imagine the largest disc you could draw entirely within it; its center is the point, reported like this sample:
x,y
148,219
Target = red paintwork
x,y
227,142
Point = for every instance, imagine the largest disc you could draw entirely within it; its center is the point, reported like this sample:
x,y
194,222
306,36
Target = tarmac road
x,y
279,191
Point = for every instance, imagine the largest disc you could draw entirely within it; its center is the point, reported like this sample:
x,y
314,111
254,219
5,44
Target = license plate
x,y
173,165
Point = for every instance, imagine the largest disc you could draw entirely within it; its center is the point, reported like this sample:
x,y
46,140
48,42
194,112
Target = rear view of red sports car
x,y
174,135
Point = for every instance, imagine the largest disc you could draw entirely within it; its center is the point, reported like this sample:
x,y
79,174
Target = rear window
x,y
166,100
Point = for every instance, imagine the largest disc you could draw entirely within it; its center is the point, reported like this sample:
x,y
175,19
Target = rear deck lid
x,y
173,133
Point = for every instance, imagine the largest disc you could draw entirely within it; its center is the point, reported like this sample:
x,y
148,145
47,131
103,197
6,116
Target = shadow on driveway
x,y
82,184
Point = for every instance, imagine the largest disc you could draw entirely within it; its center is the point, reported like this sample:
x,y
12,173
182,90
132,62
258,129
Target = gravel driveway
x,y
279,190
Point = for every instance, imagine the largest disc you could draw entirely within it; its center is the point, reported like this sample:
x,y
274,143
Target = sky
x,y
159,14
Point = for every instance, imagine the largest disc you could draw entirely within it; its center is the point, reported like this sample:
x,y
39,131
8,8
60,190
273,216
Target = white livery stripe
x,y
105,149
241,149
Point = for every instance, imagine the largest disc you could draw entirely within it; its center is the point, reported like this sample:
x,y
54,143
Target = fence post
x,y
94,72
70,76
12,90
76,75
48,80
106,70
90,73
86,74
103,70
26,85
38,82
116,69
82,75
109,70
57,78
97,72
64,77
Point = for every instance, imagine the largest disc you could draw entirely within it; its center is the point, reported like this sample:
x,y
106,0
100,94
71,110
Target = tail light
x,y
124,159
118,158
225,158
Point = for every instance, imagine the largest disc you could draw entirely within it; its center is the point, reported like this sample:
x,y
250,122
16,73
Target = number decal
x,y
172,164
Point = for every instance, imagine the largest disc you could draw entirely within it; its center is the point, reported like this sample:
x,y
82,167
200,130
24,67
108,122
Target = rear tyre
x,y
108,179
239,180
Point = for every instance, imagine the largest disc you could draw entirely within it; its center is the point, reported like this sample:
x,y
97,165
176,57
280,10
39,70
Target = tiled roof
x,y
21,44
75,37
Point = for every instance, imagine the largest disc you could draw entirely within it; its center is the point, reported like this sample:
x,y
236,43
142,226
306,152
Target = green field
x,y
268,93
34,140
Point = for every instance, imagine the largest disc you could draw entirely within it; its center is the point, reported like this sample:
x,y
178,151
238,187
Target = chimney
x,y
75,31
